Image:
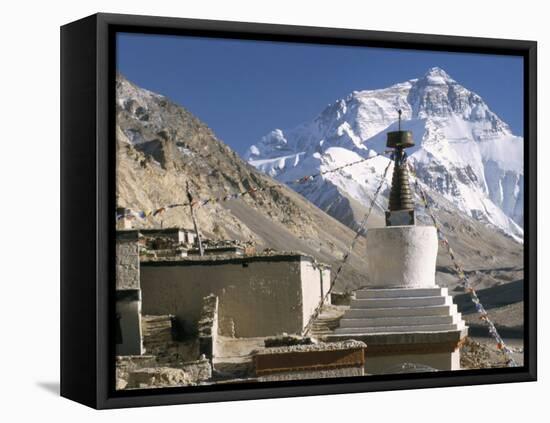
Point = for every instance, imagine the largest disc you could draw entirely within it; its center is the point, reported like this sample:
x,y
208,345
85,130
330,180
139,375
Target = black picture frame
x,y
87,202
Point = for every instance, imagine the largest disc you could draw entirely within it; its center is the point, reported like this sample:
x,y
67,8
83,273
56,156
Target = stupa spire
x,y
401,206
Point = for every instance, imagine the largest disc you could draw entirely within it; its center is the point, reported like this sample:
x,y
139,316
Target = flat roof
x,y
127,234
282,256
172,229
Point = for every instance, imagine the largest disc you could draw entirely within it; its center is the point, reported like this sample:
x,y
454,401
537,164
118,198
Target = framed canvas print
x,y
255,211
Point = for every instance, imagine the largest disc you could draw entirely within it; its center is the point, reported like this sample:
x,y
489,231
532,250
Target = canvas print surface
x,y
292,211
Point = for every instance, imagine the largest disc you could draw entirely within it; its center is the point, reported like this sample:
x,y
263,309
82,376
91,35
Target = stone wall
x,y
311,361
208,326
177,235
186,374
157,332
127,260
317,374
128,294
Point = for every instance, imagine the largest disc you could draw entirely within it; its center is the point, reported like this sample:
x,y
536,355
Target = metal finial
x,y
399,111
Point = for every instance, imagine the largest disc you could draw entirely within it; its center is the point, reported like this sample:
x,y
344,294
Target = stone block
x,y
189,373
127,260
315,358
199,370
158,377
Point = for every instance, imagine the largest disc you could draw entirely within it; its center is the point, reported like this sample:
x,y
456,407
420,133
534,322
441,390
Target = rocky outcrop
x,y
158,377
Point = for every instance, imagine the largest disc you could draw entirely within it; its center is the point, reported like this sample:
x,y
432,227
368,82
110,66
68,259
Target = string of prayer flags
x,y
348,252
159,211
463,279
308,178
130,214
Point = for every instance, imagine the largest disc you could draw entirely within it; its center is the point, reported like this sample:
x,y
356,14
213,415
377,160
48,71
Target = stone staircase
x,y
400,310
327,321
157,331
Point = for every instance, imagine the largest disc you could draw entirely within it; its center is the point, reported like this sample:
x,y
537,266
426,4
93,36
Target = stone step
x,y
443,310
156,330
400,292
400,329
400,302
399,321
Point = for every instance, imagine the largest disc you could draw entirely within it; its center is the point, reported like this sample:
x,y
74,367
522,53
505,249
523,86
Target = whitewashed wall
x,y
264,298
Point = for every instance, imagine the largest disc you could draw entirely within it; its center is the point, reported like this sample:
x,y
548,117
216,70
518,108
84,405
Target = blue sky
x,y
244,89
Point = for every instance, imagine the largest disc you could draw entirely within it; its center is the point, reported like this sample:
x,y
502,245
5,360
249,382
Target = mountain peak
x,y
437,71
437,76
469,154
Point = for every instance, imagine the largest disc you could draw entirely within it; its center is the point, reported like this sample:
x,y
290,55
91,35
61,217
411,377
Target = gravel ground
x,y
480,353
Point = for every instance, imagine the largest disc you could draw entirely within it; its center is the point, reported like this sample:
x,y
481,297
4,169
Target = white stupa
x,y
402,315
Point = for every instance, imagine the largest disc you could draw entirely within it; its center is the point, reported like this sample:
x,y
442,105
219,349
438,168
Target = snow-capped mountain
x,y
464,154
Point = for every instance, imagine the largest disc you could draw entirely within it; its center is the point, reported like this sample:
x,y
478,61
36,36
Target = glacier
x,y
464,152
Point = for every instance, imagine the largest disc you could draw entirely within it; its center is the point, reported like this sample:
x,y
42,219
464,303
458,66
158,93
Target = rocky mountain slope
x,y
161,146
465,154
